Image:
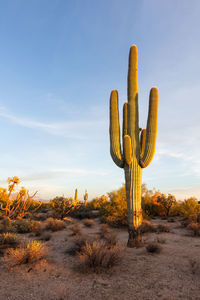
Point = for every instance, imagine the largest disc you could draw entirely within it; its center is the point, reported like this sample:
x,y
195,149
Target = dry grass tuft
x,y
78,242
97,256
147,226
153,248
88,222
55,224
30,253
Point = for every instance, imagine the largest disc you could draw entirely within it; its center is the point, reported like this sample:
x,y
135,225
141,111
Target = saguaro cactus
x,y
85,196
138,144
76,195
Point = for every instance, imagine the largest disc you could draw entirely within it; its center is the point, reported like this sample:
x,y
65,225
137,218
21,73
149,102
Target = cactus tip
x,y
154,90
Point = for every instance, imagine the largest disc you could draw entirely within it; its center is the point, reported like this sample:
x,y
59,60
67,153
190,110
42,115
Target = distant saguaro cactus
x,y
138,147
85,197
76,195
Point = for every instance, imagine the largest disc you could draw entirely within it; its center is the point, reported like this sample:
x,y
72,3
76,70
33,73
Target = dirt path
x,y
168,275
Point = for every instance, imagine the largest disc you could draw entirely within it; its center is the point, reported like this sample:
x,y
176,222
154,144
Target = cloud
x,y
71,129
57,173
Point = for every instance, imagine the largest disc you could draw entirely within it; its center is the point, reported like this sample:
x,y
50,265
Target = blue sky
x,y
60,59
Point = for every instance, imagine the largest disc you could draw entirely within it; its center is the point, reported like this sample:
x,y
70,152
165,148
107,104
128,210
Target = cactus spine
x,y
138,147
85,197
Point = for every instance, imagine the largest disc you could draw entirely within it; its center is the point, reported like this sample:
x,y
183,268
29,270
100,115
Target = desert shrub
x,y
22,226
8,240
150,206
114,211
64,206
75,229
84,212
55,224
40,216
190,209
88,222
7,225
97,202
21,204
96,256
36,227
78,242
111,239
163,228
166,202
194,228
147,226
153,248
25,254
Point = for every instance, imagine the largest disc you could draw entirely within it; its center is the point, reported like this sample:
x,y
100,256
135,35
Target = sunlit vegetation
x,y
17,205
64,206
26,254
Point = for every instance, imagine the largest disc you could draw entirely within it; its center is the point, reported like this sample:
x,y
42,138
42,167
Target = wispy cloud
x,y
71,129
56,173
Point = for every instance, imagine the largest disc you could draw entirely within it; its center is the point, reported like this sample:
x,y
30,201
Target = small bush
x,y
8,240
75,229
153,248
190,209
55,224
163,228
22,226
194,228
147,226
26,254
88,222
78,243
97,256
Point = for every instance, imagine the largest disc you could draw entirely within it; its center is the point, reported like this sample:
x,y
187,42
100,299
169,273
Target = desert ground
x,y
174,273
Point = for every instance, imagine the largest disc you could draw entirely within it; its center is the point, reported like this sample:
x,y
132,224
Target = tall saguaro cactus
x,y
138,144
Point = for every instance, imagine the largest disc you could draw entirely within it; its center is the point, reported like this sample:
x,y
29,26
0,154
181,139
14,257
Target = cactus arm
x,y
128,150
125,119
133,119
151,131
115,145
142,142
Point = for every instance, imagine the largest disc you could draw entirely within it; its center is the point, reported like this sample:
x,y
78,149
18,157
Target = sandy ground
x,y
140,275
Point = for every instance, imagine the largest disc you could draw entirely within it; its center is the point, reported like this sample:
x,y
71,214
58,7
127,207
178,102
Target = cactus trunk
x,y
138,149
133,179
